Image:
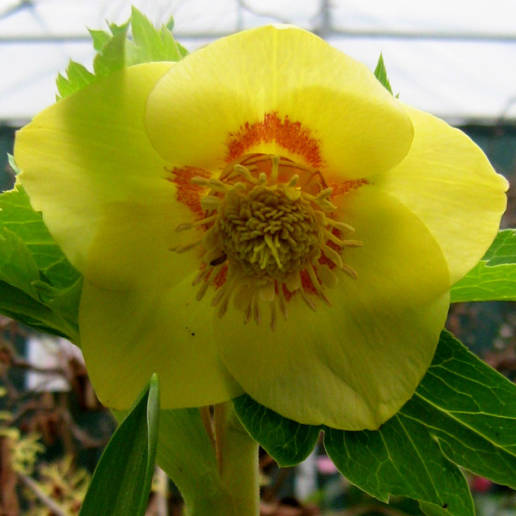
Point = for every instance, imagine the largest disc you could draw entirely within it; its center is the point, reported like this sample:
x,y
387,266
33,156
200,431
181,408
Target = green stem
x,y
220,480
237,459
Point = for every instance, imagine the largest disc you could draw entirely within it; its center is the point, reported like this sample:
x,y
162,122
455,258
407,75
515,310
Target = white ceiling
x,y
454,58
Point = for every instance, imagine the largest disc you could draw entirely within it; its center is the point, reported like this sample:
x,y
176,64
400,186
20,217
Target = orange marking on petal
x,y
286,133
187,192
347,186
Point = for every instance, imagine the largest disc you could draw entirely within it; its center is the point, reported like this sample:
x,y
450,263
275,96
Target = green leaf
x,y
145,35
112,56
463,413
115,50
287,441
100,38
77,77
38,286
431,509
170,24
380,73
122,479
494,277
151,44
17,216
16,304
400,459
470,409
17,266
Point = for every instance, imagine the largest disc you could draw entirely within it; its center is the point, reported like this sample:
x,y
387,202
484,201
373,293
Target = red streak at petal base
x,y
306,283
221,277
292,136
189,193
286,293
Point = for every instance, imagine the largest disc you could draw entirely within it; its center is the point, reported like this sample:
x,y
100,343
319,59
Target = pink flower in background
x,y
325,465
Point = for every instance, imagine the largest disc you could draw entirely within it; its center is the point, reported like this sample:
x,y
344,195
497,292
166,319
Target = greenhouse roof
x,y
456,59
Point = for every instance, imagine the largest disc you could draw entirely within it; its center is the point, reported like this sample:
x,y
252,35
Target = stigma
x,y
268,233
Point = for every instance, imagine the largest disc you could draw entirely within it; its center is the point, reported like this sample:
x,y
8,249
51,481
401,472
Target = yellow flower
x,y
261,217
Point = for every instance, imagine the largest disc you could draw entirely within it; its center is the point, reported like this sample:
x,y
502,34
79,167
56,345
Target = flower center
x,y
269,233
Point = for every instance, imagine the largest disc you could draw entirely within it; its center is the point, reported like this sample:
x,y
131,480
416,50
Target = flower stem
x,y
237,460
213,462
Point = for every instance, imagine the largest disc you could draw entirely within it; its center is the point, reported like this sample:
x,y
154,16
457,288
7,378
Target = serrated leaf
x,y
286,441
172,49
470,409
145,36
17,215
77,77
38,286
112,56
494,277
170,24
151,44
380,73
119,30
115,50
100,38
122,479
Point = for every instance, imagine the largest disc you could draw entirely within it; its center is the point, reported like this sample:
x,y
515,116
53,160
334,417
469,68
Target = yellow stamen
x,y
349,271
307,301
186,247
267,293
273,317
210,202
328,277
191,225
333,255
265,241
244,171
352,243
282,303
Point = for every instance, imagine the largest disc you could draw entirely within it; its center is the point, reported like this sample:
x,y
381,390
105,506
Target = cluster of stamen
x,y
268,231
268,234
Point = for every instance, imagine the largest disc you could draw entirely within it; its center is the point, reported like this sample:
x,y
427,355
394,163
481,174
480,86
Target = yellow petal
x,y
281,90
126,336
353,364
447,181
105,194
